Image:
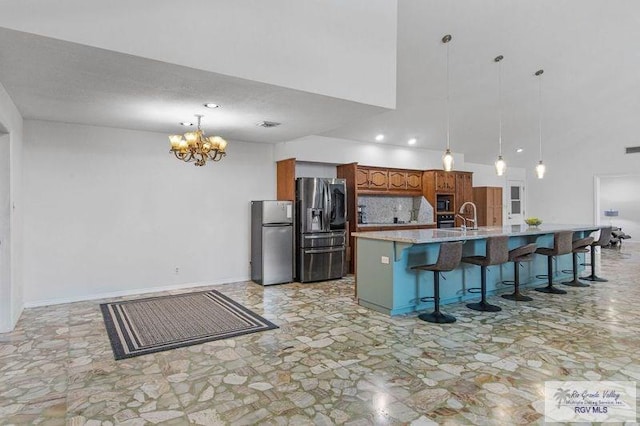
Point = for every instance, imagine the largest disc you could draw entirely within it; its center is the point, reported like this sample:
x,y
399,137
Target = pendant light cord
x,y
448,146
540,112
500,107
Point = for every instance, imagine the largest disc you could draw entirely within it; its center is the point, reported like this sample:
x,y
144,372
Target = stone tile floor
x,y
330,362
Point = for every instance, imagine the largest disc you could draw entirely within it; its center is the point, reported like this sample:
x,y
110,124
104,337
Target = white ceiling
x,y
588,49
56,80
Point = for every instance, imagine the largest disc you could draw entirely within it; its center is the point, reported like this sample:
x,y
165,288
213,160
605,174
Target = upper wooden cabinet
x,y
372,178
397,179
445,181
414,181
405,180
362,178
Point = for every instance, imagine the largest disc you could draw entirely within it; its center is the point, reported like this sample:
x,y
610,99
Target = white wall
x,y
5,233
485,175
340,151
566,194
331,47
621,193
110,211
307,169
11,285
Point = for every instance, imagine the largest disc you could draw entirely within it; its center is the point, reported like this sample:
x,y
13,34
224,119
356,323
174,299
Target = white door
x,y
515,202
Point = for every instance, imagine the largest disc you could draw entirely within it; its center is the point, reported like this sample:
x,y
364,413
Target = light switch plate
x,y
384,259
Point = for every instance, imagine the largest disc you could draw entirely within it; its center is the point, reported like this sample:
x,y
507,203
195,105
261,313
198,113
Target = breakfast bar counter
x,y
386,283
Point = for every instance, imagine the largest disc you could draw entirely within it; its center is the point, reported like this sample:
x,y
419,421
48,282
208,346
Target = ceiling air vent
x,y
268,124
633,150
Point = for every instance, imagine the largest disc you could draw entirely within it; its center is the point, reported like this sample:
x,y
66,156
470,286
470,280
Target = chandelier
x,y
195,146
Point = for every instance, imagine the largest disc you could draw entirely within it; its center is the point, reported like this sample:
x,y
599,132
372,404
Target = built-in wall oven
x,y
446,221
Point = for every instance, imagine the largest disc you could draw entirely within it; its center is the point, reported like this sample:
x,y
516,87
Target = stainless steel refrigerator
x,y
271,242
321,216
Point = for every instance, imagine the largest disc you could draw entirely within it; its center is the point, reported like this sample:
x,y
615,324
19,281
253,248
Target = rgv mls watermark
x,y
578,401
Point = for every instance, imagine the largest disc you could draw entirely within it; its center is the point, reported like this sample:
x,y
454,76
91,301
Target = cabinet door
x,y
397,180
450,181
414,181
378,179
497,206
439,181
445,181
362,178
464,192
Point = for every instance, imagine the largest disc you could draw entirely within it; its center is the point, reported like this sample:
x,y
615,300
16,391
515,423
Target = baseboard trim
x,y
122,293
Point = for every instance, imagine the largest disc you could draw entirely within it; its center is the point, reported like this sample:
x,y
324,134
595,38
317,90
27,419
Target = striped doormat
x,y
144,326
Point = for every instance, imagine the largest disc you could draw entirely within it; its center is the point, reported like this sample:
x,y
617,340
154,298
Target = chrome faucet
x,y
475,214
464,221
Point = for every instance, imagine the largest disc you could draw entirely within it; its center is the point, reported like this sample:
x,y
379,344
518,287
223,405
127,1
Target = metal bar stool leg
x,y
550,288
575,282
516,295
593,276
483,305
436,316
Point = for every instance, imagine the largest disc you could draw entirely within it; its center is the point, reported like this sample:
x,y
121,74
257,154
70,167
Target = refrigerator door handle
x,y
318,251
315,237
327,205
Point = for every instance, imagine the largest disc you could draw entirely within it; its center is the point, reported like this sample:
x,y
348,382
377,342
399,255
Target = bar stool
x,y
603,240
562,244
579,246
517,255
448,260
497,253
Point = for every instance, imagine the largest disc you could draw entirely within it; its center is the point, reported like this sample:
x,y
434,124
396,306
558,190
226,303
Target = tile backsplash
x,y
382,209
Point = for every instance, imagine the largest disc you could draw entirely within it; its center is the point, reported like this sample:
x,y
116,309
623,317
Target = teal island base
x,y
386,283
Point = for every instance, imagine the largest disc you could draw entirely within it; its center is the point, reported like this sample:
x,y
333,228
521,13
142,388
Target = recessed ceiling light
x,y
380,137
211,105
186,123
412,141
519,150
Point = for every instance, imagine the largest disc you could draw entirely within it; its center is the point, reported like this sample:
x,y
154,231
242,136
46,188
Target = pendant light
x,y
447,158
540,168
501,165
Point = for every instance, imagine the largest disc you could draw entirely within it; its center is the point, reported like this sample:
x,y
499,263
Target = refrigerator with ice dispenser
x,y
321,216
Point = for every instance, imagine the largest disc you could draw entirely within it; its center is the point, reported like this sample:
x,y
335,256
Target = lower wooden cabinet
x,y
488,200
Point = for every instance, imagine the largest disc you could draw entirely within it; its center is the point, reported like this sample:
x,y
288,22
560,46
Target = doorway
x,y
515,202
618,203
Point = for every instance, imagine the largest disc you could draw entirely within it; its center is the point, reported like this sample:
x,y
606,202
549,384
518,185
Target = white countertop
x,y
422,236
399,225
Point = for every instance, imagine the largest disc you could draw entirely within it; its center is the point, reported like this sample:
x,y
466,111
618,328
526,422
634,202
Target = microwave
x,y
443,205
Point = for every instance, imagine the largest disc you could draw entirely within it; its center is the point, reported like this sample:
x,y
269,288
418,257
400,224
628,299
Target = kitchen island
x,y
386,283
